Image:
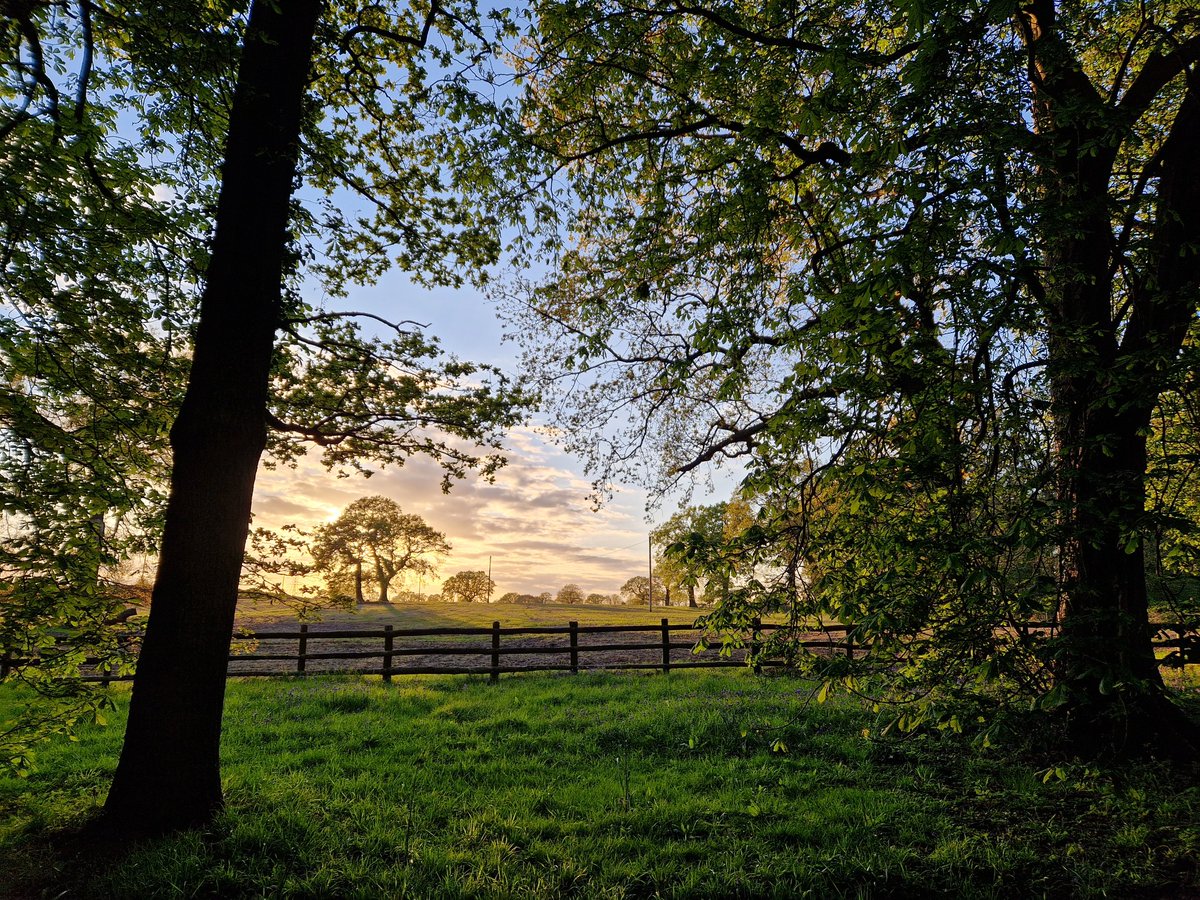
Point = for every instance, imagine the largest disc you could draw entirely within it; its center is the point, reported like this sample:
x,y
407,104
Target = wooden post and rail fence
x,y
664,647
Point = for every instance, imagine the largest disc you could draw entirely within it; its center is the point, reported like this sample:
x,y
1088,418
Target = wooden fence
x,y
451,651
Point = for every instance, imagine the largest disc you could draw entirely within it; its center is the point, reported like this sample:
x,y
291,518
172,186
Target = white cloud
x,y
535,521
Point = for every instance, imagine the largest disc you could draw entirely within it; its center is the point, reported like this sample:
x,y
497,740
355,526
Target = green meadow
x,y
616,786
264,615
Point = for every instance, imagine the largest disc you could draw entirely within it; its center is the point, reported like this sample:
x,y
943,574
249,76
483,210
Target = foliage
x,y
374,540
86,225
640,591
569,593
600,787
468,587
112,127
1173,498
693,526
922,269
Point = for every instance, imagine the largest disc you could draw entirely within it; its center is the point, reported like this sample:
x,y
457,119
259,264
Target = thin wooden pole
x,y
495,676
574,648
650,571
666,644
388,647
303,648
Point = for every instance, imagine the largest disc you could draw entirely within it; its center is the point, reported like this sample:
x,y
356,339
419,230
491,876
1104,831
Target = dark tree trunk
x,y
1105,658
169,772
358,582
1105,377
692,596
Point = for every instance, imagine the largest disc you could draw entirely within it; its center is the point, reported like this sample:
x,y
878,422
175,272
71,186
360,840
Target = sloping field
x,y
262,615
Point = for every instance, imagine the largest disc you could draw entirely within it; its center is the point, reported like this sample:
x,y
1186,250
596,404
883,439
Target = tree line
x,y
373,542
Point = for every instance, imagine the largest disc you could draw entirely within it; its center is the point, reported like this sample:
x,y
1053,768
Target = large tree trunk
x,y
1105,377
692,596
169,772
1105,659
358,582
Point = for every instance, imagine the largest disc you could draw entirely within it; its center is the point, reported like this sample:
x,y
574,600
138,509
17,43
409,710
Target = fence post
x,y
5,663
574,648
300,660
495,676
666,644
849,644
755,643
387,652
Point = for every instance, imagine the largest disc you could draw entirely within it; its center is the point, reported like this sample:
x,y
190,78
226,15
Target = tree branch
x,y
418,42
1156,73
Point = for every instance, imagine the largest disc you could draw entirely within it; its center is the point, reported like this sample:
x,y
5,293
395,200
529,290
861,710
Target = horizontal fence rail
x,y
538,648
390,651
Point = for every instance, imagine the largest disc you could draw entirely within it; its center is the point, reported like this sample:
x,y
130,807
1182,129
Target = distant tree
x,y
467,587
545,597
374,534
599,599
636,591
510,597
674,568
570,593
694,528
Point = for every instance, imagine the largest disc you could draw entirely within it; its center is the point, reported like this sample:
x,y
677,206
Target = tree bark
x,y
1105,378
358,582
168,776
384,578
692,596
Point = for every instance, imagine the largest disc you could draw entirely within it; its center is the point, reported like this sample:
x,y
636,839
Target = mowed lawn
x,y
694,784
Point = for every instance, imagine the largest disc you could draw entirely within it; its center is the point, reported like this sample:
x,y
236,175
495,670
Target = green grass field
x,y
688,785
265,615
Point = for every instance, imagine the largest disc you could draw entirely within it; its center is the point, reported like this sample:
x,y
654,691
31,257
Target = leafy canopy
x,y
374,540
468,587
112,126
921,268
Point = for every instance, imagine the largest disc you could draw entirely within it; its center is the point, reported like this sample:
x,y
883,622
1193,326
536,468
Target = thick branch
x,y
1162,312
1157,72
418,42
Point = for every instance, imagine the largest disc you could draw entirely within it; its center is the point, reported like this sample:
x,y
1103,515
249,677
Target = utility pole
x,y
650,569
